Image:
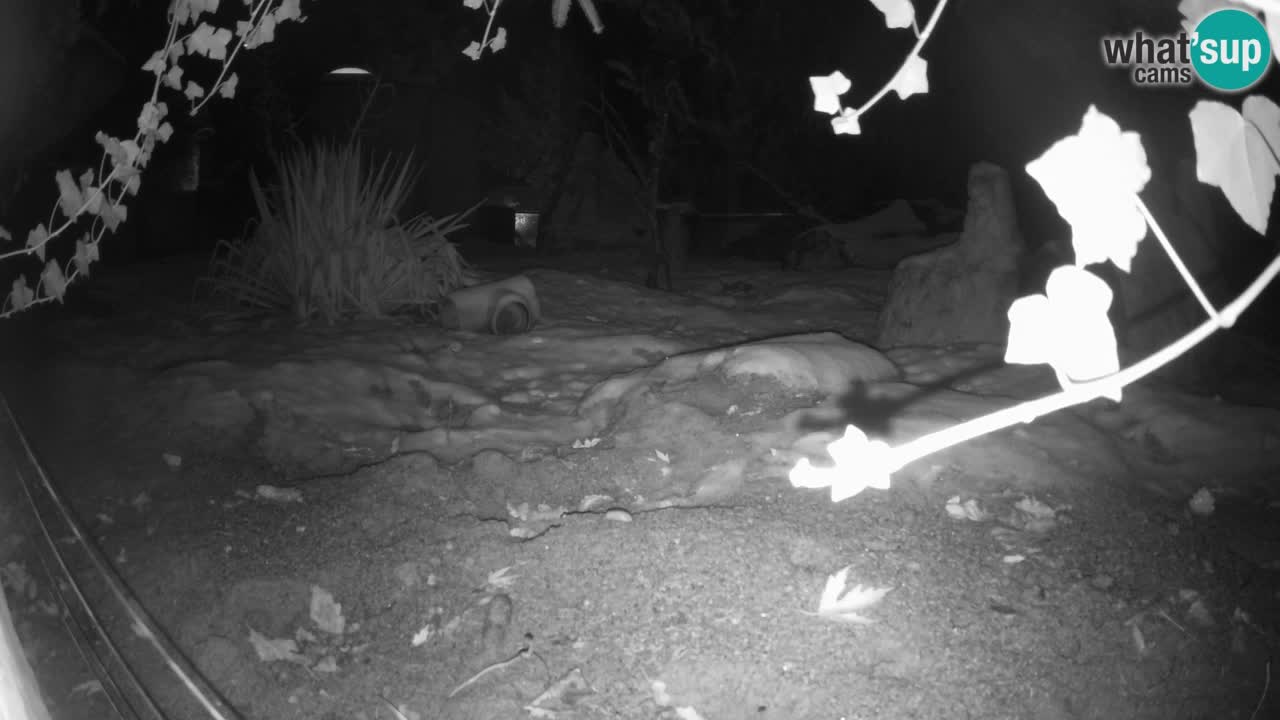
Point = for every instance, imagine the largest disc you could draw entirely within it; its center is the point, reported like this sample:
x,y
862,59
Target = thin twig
x,y
524,652
1265,686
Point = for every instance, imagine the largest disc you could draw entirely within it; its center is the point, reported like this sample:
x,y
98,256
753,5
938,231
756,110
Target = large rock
x,y
961,293
878,241
601,201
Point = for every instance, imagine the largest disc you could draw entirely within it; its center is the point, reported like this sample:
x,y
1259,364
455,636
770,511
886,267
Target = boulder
x,y
878,241
961,293
601,205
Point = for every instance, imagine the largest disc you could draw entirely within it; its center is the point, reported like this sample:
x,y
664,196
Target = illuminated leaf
x,y
1067,328
266,31
86,254
21,295
912,78
228,88
289,10
560,12
188,11
1193,11
151,116
846,123
37,238
860,463
69,199
52,282
593,15
155,64
209,41
897,13
173,78
827,91
112,214
1094,178
1237,152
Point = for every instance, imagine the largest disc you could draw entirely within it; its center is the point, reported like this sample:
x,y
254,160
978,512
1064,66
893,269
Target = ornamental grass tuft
x,y
329,243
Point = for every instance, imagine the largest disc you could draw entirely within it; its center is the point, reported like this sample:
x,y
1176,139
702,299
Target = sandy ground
x,y
594,520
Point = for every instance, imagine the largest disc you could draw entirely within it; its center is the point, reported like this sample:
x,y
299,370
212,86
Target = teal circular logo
x,y
1231,50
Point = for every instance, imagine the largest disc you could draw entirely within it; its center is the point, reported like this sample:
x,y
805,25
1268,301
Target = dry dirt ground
x,y
674,572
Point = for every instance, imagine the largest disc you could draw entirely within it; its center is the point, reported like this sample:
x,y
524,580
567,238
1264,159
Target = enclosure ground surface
x,y
1079,585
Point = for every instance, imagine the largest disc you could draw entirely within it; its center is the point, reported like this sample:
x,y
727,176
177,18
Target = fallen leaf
x,y
844,605
272,650
325,612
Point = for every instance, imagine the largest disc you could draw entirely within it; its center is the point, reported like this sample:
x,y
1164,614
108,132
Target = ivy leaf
x,y
164,132
209,41
69,199
193,91
36,240
1092,178
21,295
897,13
151,116
173,78
499,40
176,51
472,4
827,91
148,147
228,88
593,15
131,152
1237,152
86,179
131,178
1067,328
187,11
473,50
112,148
560,12
289,10
1193,11
5,236
112,214
266,31
86,253
52,282
846,123
912,78
155,64
253,35
93,201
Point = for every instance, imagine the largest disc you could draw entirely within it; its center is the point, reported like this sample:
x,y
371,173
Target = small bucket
x,y
505,307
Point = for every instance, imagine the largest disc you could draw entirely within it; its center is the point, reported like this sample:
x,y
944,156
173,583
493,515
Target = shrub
x,y
329,243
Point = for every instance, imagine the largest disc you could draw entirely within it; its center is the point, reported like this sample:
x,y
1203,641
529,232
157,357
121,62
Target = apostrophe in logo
x,y
1230,50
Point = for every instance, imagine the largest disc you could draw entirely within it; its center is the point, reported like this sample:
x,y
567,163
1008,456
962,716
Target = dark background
x,y
1007,79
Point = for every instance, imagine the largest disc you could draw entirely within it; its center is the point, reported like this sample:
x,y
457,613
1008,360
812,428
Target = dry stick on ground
x,y
521,654
1265,686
